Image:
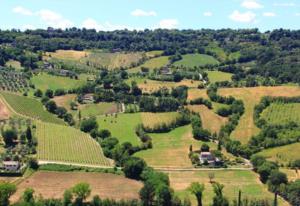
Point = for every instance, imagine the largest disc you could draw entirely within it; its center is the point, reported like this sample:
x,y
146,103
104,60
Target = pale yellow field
x,y
251,96
152,119
210,120
291,173
67,54
195,93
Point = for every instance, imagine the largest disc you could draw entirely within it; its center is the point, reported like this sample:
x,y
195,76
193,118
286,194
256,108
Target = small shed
x,y
11,166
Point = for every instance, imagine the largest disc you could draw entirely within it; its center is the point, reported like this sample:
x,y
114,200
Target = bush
x,y
88,125
133,167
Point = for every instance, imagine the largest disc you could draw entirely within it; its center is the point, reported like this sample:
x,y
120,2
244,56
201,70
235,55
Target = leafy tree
x,y
28,134
67,198
51,106
147,194
38,93
134,167
6,190
89,124
204,147
219,199
49,93
197,189
33,163
81,191
275,179
9,136
164,195
28,195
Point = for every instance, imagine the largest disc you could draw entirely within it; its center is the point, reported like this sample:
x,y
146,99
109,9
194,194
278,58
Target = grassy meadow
x,y
279,113
122,126
101,108
218,76
246,181
154,63
46,81
14,64
283,154
152,119
30,107
68,145
195,60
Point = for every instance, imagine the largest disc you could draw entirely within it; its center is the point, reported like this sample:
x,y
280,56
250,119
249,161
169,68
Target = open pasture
x,y
46,81
122,126
246,181
195,93
210,120
29,107
67,54
218,51
154,63
69,145
154,53
280,113
251,96
195,60
101,108
282,155
65,100
218,76
53,185
152,119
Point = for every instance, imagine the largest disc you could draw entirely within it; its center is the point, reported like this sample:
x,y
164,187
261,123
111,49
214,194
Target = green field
x,y
283,154
30,107
218,51
151,64
46,81
192,60
218,76
122,127
152,119
69,145
280,113
154,53
98,109
246,181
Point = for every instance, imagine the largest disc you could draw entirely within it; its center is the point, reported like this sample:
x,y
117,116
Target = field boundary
x,y
45,162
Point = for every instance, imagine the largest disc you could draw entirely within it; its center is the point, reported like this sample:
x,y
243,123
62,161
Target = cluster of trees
x,y
203,101
199,132
277,181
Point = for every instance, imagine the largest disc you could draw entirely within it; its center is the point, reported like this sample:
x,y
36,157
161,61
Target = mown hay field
x,y
210,120
4,111
154,63
46,81
67,54
65,100
29,107
53,185
246,181
149,86
154,53
69,145
251,96
280,113
195,93
122,126
218,76
151,119
102,108
195,60
283,154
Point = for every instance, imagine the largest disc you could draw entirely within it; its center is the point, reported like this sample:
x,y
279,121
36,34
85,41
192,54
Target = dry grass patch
x,y
251,96
197,93
65,100
152,119
210,120
4,111
53,185
67,54
291,174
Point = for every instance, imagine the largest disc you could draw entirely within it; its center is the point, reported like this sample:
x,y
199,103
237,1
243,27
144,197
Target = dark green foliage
x,y
9,136
38,93
133,167
89,124
6,190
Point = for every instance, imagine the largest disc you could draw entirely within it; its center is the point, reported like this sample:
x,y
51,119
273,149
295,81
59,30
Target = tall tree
x,y
197,189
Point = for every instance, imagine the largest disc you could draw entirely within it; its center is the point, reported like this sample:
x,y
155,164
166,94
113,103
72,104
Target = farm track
x,y
173,169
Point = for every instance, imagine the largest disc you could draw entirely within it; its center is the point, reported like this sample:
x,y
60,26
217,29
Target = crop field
x,y
69,145
246,181
279,113
46,81
98,109
53,185
122,126
210,120
4,111
192,60
251,96
292,174
148,85
218,76
30,107
151,64
152,119
283,154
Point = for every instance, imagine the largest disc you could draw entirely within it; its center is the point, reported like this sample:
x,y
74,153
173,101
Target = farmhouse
x,y
208,158
165,71
88,98
11,166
